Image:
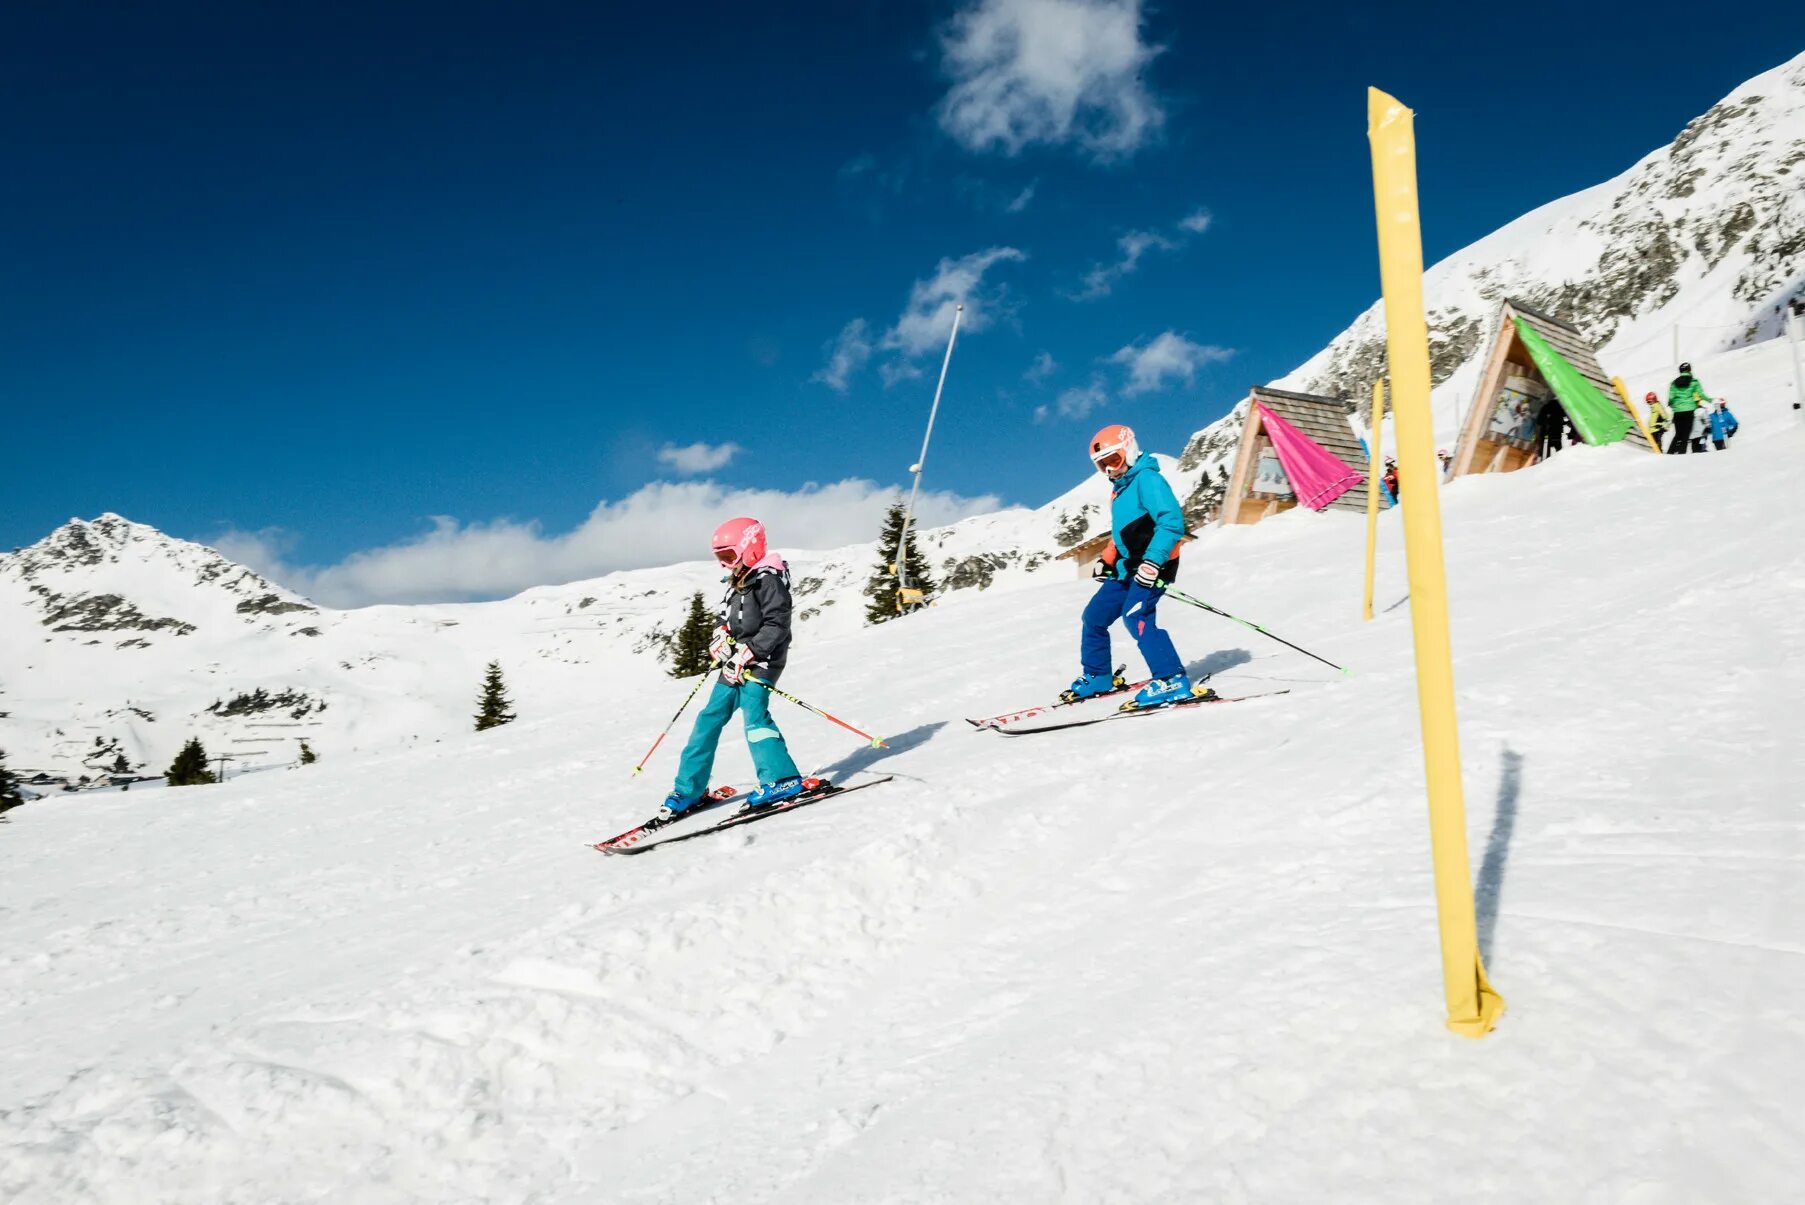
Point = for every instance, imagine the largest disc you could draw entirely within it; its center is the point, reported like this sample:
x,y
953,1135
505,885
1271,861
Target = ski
x,y
1122,715
1027,713
744,817
718,797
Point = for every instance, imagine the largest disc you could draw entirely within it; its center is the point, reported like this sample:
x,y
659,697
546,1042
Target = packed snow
x,y
1188,956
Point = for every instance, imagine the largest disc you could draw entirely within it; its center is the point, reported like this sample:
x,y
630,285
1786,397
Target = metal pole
x,y
1377,414
1796,325
902,542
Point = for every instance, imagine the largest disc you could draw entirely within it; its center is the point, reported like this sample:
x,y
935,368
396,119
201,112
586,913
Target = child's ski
x,y
1122,715
717,797
827,791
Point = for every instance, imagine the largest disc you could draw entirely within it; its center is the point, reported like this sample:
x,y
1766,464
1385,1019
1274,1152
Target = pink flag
x,y
1318,476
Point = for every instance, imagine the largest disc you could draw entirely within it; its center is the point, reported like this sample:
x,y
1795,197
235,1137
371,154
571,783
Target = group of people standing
x,y
1685,398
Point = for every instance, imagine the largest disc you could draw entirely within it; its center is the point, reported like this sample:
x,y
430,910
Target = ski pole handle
x,y
754,679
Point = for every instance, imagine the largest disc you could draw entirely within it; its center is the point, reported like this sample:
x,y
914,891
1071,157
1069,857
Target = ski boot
x,y
675,807
1090,686
1163,692
783,789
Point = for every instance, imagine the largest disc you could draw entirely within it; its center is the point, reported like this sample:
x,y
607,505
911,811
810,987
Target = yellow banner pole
x,y
1617,383
1473,1007
1372,493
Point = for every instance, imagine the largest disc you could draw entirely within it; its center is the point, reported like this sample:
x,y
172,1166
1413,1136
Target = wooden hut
x,y
1086,555
1258,487
1498,434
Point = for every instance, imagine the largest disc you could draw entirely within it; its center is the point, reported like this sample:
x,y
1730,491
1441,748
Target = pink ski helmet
x,y
739,543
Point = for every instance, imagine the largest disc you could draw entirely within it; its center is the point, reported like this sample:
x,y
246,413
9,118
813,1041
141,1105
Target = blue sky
x,y
437,301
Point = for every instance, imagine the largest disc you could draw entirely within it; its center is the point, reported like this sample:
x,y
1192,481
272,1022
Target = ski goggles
x,y
728,557
1111,462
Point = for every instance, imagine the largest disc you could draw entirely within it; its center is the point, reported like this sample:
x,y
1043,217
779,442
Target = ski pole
x,y
757,681
667,728
1198,602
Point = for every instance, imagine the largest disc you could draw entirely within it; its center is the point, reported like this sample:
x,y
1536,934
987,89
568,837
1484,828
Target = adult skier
x,y
1147,526
1683,398
753,637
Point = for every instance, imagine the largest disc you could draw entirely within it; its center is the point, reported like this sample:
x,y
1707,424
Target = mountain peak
x,y
113,559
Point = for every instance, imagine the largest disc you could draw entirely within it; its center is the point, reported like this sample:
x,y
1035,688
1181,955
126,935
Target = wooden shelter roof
x,y
1325,420
1564,338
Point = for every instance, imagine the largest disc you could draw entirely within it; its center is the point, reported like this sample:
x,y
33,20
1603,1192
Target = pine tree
x,y
121,766
308,756
689,652
10,794
883,587
493,703
189,769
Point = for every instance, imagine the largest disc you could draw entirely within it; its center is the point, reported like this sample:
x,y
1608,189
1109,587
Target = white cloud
x,y
1022,198
1048,71
846,354
894,372
928,317
858,165
1165,358
1197,221
698,457
658,524
1078,401
1043,367
925,321
1101,280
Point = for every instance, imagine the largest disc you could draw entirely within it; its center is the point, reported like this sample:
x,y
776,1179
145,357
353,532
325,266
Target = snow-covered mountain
x,y
133,641
1695,248
138,641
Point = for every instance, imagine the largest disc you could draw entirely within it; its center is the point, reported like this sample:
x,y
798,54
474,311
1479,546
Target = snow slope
x,y
1179,957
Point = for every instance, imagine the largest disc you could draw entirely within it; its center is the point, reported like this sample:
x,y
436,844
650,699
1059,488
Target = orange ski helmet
x,y
1114,450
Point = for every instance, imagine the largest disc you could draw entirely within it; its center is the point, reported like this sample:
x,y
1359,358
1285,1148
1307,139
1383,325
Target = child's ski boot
x,y
781,791
1090,686
1163,692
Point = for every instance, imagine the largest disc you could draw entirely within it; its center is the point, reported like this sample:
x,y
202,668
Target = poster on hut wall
x,y
1514,413
1269,477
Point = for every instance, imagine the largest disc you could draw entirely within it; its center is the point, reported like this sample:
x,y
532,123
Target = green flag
x,y
1597,419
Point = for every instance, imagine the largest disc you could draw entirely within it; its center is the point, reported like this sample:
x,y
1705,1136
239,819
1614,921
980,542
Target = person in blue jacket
x,y
1147,526
1722,423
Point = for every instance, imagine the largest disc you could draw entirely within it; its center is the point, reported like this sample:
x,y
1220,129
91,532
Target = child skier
x,y
753,637
1722,425
1147,527
1657,418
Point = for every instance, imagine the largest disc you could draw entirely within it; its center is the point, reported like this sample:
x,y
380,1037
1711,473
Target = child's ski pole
x,y
667,728
1198,602
875,742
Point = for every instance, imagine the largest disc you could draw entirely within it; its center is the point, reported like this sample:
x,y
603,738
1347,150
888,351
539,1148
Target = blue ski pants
x,y
770,756
1134,605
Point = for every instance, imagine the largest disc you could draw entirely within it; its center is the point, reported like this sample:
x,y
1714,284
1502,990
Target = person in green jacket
x,y
1684,397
